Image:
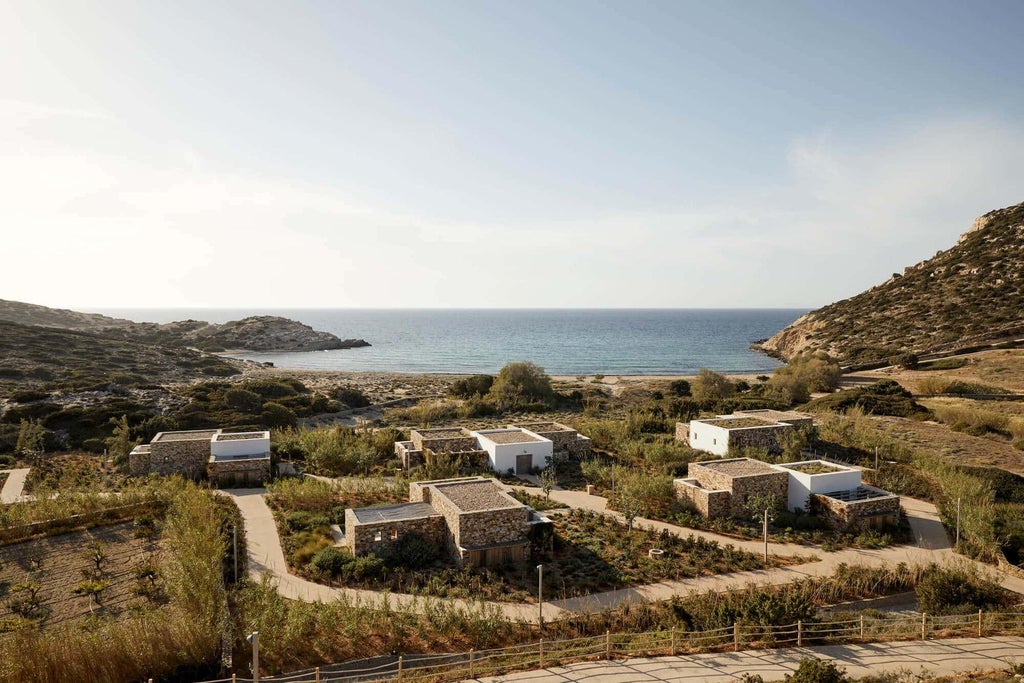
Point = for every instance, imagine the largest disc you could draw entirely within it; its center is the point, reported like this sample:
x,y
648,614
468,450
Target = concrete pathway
x,y
14,485
932,657
267,557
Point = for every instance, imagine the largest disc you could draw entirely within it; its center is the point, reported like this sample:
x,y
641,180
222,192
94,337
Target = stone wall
x,y
741,487
856,515
776,483
361,539
491,527
450,445
243,471
187,458
138,462
683,432
758,437
710,504
407,452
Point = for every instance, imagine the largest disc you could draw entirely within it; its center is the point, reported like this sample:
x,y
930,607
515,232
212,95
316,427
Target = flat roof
x,y
775,415
544,427
441,433
738,467
471,496
241,436
509,436
740,422
394,513
194,435
813,467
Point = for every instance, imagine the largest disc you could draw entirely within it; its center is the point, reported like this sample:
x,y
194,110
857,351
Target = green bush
x,y
351,397
476,385
813,670
522,385
956,590
679,387
277,416
331,561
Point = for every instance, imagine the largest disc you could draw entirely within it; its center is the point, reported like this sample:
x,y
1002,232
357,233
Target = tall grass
x,y
183,636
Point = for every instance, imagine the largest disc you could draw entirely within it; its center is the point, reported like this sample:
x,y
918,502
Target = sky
x,y
521,154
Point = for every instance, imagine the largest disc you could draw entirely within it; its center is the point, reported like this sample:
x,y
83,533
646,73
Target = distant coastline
x,y
571,342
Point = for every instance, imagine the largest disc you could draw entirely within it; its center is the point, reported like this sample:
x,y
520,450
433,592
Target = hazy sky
x,y
448,154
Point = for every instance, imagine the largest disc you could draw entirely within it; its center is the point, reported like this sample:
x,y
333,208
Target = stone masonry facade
x,y
187,457
710,504
740,486
363,538
239,472
856,515
479,524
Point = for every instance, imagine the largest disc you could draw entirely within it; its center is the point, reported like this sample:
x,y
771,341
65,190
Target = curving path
x,y
266,558
916,658
14,485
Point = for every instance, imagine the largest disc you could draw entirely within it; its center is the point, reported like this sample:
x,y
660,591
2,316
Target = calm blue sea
x,y
564,342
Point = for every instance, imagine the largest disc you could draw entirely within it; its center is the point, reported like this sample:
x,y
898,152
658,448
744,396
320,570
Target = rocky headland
x,y
972,293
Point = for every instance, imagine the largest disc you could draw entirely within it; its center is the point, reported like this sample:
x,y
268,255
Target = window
x,y
394,534
714,442
377,536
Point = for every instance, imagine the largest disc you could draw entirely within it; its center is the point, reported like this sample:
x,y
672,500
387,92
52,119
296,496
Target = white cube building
x,y
514,449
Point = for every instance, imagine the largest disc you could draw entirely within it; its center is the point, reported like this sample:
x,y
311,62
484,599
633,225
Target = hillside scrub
x,y
884,397
969,294
803,374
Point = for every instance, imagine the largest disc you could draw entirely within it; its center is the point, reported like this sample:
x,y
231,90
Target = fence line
x,y
546,653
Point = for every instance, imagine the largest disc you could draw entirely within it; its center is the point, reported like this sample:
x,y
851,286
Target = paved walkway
x,y
14,485
267,557
933,657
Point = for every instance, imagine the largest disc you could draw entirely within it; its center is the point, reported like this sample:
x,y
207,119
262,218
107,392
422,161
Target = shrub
x,y
711,386
277,416
521,384
813,670
955,590
412,551
476,385
352,397
908,361
331,561
679,387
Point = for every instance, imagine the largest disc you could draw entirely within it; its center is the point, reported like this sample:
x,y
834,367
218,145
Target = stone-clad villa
x,y
473,518
742,429
516,448
225,457
721,488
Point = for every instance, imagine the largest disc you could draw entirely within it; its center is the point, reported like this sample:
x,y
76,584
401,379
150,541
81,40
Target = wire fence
x,y
547,653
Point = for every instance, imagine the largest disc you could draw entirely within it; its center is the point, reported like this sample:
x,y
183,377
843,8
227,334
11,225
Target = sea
x,y
562,341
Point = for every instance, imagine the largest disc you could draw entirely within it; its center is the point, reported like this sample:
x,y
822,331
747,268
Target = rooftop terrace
x,y
241,436
738,422
477,495
441,433
195,435
738,467
509,436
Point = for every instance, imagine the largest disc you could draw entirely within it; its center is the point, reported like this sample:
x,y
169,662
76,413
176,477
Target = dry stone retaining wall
x,y
856,515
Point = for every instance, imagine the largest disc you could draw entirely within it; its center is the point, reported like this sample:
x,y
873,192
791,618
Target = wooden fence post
x,y
673,647
799,633
471,663
400,667
862,626
924,624
607,644
736,636
318,674
234,678
979,624
540,650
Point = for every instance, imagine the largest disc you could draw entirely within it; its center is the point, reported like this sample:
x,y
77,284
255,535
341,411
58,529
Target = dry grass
x,y
958,447
1002,368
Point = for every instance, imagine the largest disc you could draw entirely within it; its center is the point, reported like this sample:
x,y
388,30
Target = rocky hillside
x,y
257,333
971,293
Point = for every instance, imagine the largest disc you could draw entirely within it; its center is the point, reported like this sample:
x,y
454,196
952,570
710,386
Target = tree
x,y
521,383
121,443
31,440
631,507
548,480
93,588
711,386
